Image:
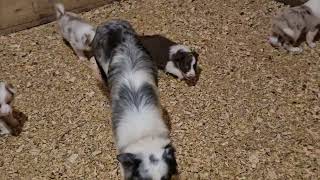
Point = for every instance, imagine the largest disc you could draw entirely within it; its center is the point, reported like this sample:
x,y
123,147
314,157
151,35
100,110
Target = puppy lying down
x,y
293,23
171,57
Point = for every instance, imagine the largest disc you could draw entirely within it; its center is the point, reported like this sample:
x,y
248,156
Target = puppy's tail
x,y
59,10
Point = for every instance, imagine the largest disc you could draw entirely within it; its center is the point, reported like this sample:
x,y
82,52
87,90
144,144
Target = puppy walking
x,y
292,23
75,30
141,136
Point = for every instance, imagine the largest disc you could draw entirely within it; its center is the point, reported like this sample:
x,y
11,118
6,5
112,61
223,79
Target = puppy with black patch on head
x,y
75,30
7,121
171,57
141,135
293,23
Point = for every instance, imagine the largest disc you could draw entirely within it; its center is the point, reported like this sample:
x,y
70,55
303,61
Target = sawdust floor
x,y
254,113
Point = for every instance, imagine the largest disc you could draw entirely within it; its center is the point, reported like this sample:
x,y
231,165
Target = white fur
x,y
75,31
59,10
314,5
137,125
136,78
171,68
4,128
3,93
295,50
274,41
5,110
192,72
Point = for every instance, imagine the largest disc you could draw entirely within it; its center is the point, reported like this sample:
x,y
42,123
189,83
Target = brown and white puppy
x,y
292,23
171,57
75,30
7,121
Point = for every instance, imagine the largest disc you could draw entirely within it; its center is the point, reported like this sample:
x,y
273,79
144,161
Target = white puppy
x,y
7,121
75,30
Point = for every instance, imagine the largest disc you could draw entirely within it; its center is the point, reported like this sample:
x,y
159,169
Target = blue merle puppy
x,y
141,136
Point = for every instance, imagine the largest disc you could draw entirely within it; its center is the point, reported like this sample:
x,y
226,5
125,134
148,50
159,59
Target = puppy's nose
x,y
190,75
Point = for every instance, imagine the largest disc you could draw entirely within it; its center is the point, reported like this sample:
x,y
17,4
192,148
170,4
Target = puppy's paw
x,y
312,45
296,50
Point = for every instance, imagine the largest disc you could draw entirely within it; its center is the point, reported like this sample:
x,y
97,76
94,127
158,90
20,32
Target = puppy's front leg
x,y
94,67
170,68
292,49
310,37
79,53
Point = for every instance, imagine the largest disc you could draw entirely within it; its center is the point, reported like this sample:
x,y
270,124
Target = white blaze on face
x,y
192,71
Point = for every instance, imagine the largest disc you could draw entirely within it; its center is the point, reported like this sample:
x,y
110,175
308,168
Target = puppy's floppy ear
x,y
128,160
169,152
170,158
10,88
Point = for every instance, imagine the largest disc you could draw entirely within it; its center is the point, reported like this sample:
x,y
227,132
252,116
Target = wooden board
x,y
16,15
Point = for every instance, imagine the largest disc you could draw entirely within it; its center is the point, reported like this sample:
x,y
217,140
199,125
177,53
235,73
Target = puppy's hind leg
x,y
310,38
292,49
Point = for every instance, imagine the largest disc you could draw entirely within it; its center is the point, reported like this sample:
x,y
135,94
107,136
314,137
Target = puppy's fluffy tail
x,y
59,10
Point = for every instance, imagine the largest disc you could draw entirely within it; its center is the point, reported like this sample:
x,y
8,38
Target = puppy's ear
x,y
128,160
10,88
170,158
169,152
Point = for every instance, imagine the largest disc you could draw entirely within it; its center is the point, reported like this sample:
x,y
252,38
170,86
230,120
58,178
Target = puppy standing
x,y
171,57
75,30
141,136
292,23
7,121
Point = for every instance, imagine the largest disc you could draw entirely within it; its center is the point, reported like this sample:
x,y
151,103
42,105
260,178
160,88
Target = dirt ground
x,y
254,113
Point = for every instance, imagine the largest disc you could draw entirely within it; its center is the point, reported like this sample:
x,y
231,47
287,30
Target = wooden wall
x,y
16,15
